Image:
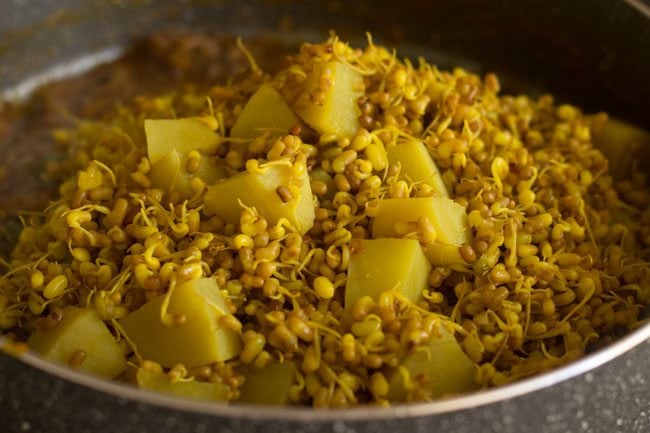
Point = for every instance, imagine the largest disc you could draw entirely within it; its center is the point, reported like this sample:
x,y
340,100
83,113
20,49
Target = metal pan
x,y
595,54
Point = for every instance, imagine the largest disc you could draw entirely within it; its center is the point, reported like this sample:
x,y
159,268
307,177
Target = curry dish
x,y
353,228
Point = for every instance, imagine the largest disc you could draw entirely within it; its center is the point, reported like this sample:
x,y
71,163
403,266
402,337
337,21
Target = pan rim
x,y
518,388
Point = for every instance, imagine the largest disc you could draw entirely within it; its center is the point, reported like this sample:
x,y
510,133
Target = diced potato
x,y
417,166
447,217
160,382
200,340
169,173
623,144
268,386
191,133
387,264
441,365
260,190
165,172
445,255
265,111
81,339
338,112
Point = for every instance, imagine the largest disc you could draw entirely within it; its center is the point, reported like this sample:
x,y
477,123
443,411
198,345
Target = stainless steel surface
x,y
593,53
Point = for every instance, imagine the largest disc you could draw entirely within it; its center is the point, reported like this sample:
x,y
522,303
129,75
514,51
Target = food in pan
x,y
353,229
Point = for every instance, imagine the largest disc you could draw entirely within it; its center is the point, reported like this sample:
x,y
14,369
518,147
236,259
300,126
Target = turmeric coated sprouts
x,y
520,251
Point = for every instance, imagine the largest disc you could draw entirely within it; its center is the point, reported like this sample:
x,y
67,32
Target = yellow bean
x,y
77,218
141,179
55,287
90,178
193,161
323,287
365,328
526,198
342,160
81,254
379,384
349,348
36,279
228,321
310,361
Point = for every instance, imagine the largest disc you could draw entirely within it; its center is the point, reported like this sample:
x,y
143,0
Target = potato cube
x,y
268,386
623,144
336,110
447,217
445,255
200,340
438,368
81,339
160,382
191,133
170,174
387,264
417,165
265,111
266,192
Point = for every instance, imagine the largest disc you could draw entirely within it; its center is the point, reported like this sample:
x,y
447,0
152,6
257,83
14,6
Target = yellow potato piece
x,y
170,174
160,382
387,264
191,133
260,190
200,340
81,329
265,111
623,144
417,166
268,386
441,365
336,111
445,255
448,217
